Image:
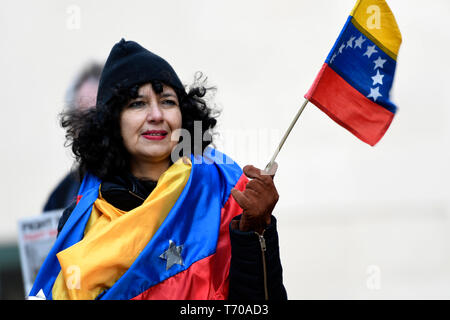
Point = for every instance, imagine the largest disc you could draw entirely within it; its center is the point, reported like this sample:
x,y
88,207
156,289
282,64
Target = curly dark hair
x,y
95,138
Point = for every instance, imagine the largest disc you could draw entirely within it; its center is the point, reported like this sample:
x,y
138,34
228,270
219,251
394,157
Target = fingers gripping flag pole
x,y
354,84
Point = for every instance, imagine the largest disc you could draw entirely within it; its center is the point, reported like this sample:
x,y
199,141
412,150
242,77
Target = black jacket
x,y
255,269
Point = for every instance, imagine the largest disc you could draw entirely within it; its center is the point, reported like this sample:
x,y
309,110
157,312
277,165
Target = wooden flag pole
x,y
269,165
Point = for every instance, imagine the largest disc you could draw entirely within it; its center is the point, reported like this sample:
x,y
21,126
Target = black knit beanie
x,y
130,64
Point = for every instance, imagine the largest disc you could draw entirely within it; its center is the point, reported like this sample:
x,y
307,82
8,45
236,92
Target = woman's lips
x,y
155,134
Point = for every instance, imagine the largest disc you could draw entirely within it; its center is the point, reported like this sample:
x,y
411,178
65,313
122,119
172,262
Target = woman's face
x,y
148,122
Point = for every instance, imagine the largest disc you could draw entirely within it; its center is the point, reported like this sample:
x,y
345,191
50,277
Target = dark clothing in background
x,y
64,193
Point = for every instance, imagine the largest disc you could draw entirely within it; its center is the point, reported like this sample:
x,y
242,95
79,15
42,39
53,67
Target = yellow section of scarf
x,y
113,238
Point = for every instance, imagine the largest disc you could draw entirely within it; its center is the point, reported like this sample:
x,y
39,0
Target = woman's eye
x,y
170,102
136,104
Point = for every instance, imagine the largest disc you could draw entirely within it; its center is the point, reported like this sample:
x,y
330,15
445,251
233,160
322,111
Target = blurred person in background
x,y
80,96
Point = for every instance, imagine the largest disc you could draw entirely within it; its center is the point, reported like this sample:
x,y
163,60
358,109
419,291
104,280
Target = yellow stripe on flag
x,y
375,19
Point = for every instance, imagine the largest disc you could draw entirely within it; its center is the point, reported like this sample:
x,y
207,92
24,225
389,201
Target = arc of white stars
x,y
370,50
378,78
374,93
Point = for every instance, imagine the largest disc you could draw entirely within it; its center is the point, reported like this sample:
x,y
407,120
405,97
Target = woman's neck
x,y
149,170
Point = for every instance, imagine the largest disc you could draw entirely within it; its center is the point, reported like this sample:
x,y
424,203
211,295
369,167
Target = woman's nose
x,y
154,113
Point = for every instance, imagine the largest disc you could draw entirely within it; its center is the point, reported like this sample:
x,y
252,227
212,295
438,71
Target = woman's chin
x,y
152,156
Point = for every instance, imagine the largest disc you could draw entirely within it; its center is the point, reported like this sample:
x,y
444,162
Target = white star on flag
x,y
359,42
379,63
341,48
370,50
350,42
333,57
378,78
374,93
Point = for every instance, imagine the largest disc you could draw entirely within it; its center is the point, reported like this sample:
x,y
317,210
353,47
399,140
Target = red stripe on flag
x,y
206,279
348,107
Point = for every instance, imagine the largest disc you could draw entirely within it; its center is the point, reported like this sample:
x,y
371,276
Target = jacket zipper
x,y
262,243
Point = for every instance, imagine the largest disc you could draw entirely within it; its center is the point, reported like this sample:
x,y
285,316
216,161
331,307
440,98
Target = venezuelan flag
x,y
174,246
354,84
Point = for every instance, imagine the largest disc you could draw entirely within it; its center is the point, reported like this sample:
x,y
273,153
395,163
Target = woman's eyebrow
x,y
168,94
163,95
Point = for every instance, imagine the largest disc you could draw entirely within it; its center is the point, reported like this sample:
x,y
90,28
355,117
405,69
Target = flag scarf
x,y
180,249
354,83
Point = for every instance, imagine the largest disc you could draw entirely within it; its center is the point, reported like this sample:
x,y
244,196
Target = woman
x,y
150,223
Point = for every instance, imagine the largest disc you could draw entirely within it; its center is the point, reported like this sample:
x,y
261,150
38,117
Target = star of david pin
x,y
172,255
